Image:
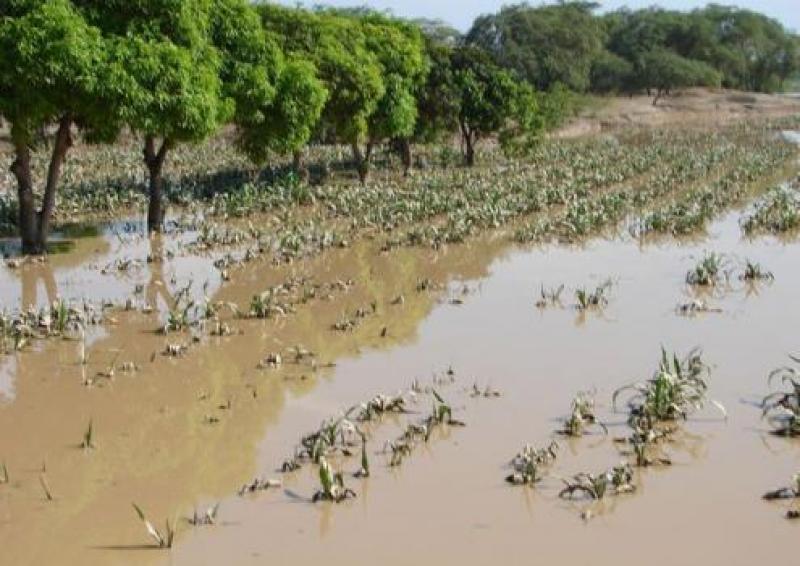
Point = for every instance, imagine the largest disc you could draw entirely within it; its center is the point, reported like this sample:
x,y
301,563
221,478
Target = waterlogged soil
x,y
187,432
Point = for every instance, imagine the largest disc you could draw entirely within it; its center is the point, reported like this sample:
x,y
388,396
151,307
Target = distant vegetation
x,y
174,72
630,51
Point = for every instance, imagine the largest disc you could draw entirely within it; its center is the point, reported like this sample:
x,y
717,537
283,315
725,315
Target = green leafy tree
x,y
545,45
350,72
612,73
277,100
665,70
165,48
55,69
400,49
437,98
487,97
749,50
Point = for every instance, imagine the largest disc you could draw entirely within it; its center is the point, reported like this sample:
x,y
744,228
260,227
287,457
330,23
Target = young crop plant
x,y
782,408
582,417
777,212
754,272
332,486
709,271
596,299
162,540
615,481
791,492
550,297
531,464
677,389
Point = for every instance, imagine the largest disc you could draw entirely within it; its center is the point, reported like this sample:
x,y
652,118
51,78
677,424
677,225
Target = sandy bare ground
x,y
690,108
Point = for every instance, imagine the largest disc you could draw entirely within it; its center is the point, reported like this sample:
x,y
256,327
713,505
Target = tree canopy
x,y
177,71
567,43
546,45
54,68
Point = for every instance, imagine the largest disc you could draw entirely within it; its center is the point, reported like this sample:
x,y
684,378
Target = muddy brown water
x,y
447,503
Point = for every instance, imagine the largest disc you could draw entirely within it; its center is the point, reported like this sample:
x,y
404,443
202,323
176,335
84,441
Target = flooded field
x,y
347,285
181,421
157,446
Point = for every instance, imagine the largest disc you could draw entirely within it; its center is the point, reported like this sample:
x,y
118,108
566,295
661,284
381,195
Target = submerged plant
x,y
592,299
332,486
616,481
178,318
694,307
164,540
791,492
531,464
549,297
442,412
259,484
782,408
377,406
206,519
45,487
645,440
754,272
88,437
677,389
777,212
363,471
582,417
709,271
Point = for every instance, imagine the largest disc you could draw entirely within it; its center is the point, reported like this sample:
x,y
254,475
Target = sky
x,y
461,13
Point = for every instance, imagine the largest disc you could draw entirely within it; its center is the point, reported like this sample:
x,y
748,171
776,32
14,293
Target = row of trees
x,y
176,71
628,51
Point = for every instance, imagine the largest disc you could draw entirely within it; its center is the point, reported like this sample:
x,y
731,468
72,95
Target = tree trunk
x,y
470,152
34,226
155,165
468,140
405,156
28,229
362,163
62,145
299,166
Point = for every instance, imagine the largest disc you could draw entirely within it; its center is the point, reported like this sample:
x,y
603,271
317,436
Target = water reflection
x,y
31,277
157,287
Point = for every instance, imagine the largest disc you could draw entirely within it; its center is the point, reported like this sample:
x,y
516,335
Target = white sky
x,y
461,13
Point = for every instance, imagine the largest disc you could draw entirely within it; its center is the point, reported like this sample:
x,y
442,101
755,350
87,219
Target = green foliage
x,y
53,63
665,70
178,91
748,50
437,98
349,70
277,101
486,93
491,100
611,73
565,43
250,61
545,45
400,49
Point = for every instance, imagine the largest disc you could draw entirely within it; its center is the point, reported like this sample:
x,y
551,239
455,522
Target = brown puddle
x,y
447,503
